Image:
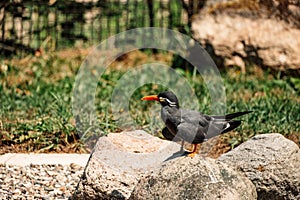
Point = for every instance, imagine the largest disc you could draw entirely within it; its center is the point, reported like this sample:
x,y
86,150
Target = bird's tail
x,y
232,116
232,125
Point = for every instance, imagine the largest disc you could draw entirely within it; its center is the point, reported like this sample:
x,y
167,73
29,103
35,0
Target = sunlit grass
x,y
36,103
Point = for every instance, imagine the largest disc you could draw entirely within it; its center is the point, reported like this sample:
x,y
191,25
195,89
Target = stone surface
x,y
117,162
194,178
271,162
24,159
236,39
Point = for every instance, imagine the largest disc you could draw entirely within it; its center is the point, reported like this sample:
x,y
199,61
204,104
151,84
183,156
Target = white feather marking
x,y
227,126
171,103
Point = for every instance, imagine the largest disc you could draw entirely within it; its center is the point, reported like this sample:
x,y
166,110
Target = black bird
x,y
191,126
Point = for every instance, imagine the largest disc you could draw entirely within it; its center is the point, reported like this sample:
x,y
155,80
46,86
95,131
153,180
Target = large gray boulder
x,y
194,178
117,162
271,162
236,39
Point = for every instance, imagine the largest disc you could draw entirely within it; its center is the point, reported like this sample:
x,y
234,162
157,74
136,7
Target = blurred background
x,y
30,25
254,43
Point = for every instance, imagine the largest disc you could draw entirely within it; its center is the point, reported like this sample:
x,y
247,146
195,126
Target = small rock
x,y
48,189
37,182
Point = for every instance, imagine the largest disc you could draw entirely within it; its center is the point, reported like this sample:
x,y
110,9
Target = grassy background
x,y
36,96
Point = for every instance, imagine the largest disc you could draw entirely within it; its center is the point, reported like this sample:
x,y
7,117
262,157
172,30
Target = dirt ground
x,y
213,148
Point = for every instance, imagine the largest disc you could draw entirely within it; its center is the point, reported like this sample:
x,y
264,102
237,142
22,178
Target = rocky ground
x,y
264,167
39,181
57,181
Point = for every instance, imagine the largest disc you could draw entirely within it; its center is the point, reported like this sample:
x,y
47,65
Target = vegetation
x,y
27,26
36,97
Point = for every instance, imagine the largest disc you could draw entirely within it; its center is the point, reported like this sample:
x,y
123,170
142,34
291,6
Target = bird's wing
x,y
195,117
226,123
190,132
208,126
233,115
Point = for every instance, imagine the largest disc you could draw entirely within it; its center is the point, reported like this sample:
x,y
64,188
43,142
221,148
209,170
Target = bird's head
x,y
167,98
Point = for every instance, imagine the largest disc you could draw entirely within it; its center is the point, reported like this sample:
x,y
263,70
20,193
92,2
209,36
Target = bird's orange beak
x,y
150,98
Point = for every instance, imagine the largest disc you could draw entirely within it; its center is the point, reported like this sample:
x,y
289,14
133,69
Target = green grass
x,y
275,102
36,103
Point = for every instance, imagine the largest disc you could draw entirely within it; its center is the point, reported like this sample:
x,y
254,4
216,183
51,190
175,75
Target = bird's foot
x,y
182,150
192,154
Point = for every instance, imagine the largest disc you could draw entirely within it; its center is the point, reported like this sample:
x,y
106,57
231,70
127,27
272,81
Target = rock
x,y
236,39
197,178
271,162
117,162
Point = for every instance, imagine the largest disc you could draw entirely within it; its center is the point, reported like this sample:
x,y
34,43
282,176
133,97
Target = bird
x,y
189,125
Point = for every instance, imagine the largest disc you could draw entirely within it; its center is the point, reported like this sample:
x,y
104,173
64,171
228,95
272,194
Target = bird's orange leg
x,y
182,144
193,153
